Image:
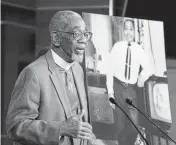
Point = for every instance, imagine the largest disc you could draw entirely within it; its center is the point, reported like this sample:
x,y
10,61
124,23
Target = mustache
x,y
82,42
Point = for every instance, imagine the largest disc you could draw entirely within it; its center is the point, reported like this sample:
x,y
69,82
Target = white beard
x,y
78,58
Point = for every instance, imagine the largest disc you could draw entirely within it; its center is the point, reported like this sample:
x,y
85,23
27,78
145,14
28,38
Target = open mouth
x,y
80,50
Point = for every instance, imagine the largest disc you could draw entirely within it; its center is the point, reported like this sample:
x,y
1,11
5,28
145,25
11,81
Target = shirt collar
x,y
129,43
61,62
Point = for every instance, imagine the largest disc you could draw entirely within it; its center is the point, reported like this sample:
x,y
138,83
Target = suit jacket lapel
x,y
79,82
58,84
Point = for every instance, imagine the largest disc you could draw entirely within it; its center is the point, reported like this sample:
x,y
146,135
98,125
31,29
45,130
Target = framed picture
x,y
124,56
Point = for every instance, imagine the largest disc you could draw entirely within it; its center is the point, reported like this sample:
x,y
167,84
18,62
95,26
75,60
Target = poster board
x,y
108,32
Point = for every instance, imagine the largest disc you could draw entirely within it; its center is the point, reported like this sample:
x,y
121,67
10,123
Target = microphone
x,y
129,102
112,100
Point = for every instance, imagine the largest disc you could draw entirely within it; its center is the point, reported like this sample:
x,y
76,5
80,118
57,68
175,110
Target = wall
x,y
18,46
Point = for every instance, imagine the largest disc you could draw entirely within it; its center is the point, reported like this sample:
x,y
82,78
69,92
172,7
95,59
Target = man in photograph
x,y
123,77
49,104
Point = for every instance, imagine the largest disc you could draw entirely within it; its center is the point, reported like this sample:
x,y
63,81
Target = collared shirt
x,y
60,61
65,71
117,63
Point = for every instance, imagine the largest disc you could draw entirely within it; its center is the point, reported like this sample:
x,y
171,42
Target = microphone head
x,y
112,100
128,101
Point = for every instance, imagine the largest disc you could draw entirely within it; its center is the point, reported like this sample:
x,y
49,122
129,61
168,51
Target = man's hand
x,y
111,96
95,141
74,127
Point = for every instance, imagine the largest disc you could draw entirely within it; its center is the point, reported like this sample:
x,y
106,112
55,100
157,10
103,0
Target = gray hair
x,y
61,19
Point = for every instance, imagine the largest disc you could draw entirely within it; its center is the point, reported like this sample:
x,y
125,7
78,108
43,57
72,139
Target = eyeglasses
x,y
78,35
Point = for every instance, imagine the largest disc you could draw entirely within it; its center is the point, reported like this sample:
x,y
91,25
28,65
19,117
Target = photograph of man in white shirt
x,y
122,79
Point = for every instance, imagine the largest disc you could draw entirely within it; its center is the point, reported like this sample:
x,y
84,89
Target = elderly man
x,y
49,104
124,77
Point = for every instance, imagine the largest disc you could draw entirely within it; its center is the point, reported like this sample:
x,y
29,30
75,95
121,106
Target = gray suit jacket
x,y
39,103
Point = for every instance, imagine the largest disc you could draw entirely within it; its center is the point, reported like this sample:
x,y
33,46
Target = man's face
x,y
74,48
129,31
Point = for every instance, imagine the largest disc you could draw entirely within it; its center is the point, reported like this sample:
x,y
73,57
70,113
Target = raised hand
x,y
74,127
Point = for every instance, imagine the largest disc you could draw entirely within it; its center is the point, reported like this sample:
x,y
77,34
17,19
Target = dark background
x,y
157,10
24,32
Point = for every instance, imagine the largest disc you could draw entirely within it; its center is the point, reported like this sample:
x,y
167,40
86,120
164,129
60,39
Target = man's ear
x,y
55,38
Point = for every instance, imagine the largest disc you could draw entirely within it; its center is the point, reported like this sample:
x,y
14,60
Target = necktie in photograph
x,y
128,63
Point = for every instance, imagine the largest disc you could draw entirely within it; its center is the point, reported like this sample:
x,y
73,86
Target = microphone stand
x,y
114,102
131,104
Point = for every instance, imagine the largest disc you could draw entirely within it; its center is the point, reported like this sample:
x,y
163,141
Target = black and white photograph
x,y
88,72
121,60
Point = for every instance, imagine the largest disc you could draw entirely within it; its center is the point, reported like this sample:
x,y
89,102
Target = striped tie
x,y
128,63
